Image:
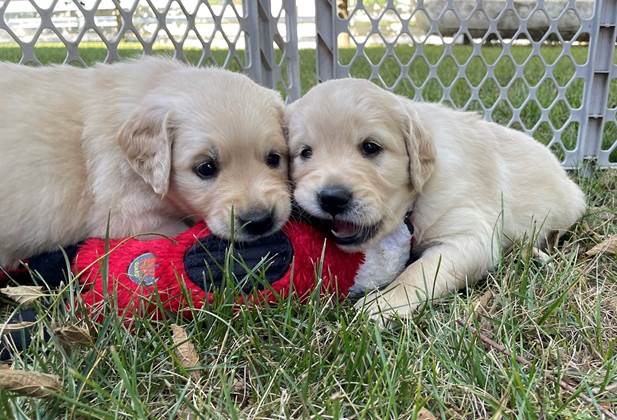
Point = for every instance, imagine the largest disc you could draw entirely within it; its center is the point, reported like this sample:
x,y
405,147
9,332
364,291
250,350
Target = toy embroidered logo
x,y
141,270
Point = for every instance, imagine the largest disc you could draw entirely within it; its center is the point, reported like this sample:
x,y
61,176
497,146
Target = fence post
x,y
601,50
266,35
292,49
326,54
252,39
262,34
260,39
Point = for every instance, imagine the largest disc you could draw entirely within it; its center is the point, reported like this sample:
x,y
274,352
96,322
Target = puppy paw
x,y
384,307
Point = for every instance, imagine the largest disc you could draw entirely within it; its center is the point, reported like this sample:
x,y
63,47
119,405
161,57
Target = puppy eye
x,y
206,170
306,152
370,148
273,160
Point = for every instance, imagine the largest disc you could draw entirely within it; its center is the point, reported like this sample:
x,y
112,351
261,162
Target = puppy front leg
x,y
443,268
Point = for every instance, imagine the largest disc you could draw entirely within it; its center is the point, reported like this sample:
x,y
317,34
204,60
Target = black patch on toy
x,y
52,266
204,262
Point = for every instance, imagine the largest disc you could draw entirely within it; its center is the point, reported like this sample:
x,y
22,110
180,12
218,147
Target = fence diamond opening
x,y
546,67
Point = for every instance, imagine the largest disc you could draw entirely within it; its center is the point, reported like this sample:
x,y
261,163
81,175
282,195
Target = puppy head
x,y
212,143
360,155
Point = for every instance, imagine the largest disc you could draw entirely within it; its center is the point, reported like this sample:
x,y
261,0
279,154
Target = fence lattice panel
x,y
522,63
256,37
546,67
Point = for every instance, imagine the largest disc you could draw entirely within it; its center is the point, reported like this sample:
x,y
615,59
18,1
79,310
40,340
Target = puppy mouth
x,y
350,233
248,237
342,232
241,236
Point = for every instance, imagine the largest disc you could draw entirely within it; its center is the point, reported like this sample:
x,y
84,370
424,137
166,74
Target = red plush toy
x,y
177,273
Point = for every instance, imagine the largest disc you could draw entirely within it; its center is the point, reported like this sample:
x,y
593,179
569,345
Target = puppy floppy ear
x,y
419,147
146,139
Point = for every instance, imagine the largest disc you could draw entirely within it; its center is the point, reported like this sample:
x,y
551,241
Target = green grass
x,y
323,359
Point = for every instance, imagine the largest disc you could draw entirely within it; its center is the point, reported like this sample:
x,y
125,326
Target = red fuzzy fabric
x,y
130,298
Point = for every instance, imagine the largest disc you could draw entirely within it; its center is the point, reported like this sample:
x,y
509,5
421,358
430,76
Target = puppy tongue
x,y
343,229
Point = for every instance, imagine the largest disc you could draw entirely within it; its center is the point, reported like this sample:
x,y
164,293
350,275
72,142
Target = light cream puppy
x,y
146,142
363,157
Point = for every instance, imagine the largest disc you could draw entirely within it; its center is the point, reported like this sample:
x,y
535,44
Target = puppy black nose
x,y
334,200
257,222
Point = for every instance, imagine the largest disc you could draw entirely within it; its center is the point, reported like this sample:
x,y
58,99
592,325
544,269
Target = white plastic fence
x,y
257,37
546,67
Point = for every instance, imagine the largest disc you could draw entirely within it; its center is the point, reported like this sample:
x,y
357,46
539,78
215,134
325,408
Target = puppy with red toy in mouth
x,y
133,147
364,158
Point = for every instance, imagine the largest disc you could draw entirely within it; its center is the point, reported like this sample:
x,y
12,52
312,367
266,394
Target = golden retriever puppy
x,y
362,158
144,144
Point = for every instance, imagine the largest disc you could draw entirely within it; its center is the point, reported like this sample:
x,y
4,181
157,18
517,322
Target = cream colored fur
x,y
79,145
474,186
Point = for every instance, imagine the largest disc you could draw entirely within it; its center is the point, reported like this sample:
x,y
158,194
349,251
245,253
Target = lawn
x,y
323,359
